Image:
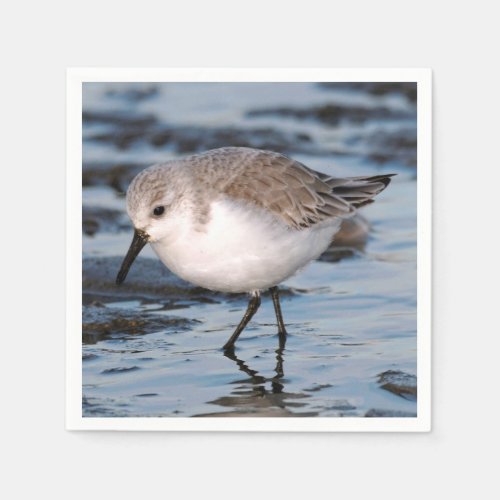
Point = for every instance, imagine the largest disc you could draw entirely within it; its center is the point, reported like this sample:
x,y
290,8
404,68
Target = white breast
x,y
242,248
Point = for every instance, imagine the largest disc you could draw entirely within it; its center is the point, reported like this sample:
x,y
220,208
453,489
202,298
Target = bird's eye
x,y
159,211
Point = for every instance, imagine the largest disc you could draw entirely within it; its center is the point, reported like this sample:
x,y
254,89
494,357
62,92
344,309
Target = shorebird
x,y
239,219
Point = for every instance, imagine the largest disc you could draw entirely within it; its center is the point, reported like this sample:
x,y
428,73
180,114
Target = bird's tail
x,y
358,191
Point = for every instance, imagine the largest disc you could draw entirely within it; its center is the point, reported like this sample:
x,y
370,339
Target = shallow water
x,y
153,347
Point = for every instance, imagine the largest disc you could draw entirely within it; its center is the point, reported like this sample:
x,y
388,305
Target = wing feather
x,y
294,193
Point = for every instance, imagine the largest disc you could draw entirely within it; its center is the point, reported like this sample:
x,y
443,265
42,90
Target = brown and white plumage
x,y
240,219
231,214
293,192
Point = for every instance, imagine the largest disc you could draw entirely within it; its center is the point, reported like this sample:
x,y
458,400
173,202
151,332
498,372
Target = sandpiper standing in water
x,y
240,219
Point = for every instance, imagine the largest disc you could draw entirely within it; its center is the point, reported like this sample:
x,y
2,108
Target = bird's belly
x,y
242,249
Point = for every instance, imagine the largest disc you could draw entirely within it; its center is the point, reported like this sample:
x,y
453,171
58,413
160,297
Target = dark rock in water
x,y
334,114
103,323
318,387
407,89
147,279
95,219
120,369
121,138
191,139
378,413
103,407
133,94
341,405
399,146
116,176
124,128
387,146
400,383
195,140
119,119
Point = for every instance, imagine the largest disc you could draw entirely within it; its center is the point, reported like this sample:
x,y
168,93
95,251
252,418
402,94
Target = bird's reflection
x,y
251,397
258,380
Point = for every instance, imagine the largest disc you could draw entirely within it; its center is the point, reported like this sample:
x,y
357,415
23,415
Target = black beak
x,y
139,240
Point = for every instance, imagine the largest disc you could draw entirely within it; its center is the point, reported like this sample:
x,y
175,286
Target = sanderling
x,y
240,219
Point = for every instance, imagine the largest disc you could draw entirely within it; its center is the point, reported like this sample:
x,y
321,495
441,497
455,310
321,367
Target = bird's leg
x,y
253,305
279,317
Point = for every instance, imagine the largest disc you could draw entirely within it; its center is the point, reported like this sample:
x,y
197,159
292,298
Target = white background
x,y
40,39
